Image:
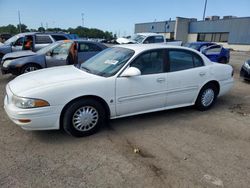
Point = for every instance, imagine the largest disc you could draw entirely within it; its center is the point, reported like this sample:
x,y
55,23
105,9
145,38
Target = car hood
x,y
124,41
14,55
47,78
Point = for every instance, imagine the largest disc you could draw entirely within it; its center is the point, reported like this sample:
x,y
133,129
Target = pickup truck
x,y
148,38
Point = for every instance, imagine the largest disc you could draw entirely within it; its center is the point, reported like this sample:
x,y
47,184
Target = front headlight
x,y
6,63
22,102
247,65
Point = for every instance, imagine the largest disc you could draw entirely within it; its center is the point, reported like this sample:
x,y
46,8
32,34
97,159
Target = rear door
x,y
186,74
42,41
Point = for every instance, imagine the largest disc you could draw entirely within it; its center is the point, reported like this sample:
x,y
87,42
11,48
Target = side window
x,y
88,47
149,40
159,39
150,62
182,60
59,37
62,49
19,42
43,39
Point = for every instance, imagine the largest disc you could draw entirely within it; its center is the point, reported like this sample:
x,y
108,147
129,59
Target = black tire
x,y
207,97
223,60
28,68
93,120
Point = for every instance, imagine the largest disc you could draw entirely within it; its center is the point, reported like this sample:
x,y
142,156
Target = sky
x,y
112,15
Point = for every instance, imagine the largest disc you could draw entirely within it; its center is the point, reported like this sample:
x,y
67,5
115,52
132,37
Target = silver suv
x,y
30,41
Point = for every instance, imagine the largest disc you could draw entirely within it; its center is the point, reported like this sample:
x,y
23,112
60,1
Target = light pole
x,y
205,7
82,19
20,29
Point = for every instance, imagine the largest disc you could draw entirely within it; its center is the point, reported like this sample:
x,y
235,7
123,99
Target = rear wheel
x,y
29,68
206,97
83,117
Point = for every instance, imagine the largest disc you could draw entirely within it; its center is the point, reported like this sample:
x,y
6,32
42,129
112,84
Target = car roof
x,y
142,47
149,34
201,43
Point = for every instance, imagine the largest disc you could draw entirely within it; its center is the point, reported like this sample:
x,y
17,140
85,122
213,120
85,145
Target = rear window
x,y
43,39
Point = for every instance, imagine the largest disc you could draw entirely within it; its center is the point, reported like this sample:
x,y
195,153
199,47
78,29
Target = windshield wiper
x,y
86,69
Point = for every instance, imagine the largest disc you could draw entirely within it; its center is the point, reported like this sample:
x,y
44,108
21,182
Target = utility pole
x,y
82,19
205,7
20,29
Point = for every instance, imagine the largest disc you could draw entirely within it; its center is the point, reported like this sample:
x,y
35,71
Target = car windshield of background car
x,y
11,40
138,38
108,62
47,48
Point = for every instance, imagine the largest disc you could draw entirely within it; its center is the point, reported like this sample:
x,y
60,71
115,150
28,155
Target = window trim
x,y
186,51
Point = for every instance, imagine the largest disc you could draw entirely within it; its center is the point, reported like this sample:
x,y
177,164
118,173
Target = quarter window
x,y
150,62
182,60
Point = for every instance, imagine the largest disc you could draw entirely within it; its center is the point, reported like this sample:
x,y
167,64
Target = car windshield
x,y
138,38
193,45
108,62
48,48
11,40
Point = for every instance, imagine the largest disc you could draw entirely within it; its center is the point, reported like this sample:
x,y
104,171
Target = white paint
x,y
213,180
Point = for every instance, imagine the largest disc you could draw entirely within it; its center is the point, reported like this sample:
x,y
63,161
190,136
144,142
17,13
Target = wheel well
x,y
31,63
216,84
99,99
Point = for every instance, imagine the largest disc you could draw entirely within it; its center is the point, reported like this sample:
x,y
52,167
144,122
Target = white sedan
x,y
120,81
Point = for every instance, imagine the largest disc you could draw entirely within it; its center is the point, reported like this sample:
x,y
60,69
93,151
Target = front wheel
x,y
83,117
206,97
29,68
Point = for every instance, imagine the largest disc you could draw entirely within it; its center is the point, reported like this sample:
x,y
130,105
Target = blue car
x,y
213,51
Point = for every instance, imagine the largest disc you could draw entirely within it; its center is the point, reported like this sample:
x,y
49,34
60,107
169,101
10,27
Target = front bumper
x,y
245,73
44,118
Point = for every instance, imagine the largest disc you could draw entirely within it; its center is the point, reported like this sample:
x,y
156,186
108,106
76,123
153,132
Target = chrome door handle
x,y
160,80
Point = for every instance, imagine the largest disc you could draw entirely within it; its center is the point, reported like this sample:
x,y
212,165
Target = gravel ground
x,y
175,148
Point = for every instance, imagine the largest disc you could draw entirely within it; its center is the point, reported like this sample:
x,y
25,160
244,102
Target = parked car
x,y
55,54
4,37
147,38
245,70
213,51
120,81
38,41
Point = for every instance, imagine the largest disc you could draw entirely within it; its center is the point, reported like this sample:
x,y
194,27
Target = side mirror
x,y
130,72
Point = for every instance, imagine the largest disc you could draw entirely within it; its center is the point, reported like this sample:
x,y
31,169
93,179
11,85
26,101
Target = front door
x,y
18,45
58,55
213,52
146,92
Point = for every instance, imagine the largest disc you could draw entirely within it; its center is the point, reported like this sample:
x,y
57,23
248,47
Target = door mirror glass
x,y
131,71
